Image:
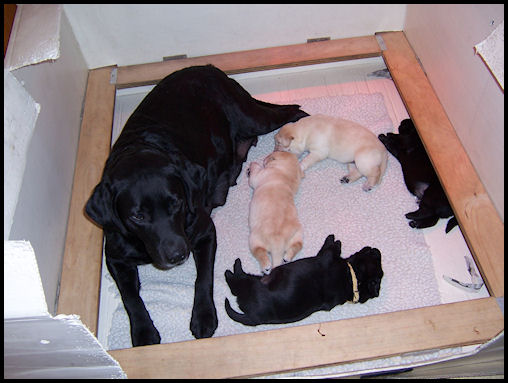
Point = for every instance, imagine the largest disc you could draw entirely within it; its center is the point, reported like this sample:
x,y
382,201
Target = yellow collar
x,y
356,293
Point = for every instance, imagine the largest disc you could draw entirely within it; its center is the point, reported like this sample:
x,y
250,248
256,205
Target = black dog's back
x,y
419,176
220,132
219,97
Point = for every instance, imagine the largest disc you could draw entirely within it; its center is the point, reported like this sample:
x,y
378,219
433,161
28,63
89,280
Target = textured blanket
x,y
325,206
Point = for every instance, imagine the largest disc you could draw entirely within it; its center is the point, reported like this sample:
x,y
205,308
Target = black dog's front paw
x,y
145,335
203,322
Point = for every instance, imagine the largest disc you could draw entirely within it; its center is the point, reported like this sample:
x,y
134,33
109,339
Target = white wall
x,y
125,34
43,203
444,36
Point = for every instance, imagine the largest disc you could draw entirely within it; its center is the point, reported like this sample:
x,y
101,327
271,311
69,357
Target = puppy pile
x,y
294,291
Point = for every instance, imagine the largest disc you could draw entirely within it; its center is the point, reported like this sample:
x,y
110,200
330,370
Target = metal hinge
x,y
112,77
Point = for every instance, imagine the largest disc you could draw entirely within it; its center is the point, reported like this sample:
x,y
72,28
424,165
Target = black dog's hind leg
x,y
204,315
143,331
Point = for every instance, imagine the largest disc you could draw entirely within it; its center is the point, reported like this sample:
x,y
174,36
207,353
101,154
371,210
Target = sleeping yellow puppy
x,y
275,231
342,140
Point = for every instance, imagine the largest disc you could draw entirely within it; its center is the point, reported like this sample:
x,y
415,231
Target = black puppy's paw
x,y
145,335
412,215
423,223
204,321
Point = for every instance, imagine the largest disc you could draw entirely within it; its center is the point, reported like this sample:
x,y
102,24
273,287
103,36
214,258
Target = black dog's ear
x,y
101,208
190,177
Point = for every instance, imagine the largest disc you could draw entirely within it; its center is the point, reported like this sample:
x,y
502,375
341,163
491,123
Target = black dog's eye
x,y
138,217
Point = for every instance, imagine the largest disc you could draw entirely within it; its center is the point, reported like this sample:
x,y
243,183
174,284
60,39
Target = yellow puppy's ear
x,y
286,141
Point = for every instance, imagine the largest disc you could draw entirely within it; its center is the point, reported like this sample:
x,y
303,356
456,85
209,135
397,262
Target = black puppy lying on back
x,y
295,290
419,176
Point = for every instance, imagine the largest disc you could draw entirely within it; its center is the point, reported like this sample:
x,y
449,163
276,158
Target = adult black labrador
x,y
295,290
420,178
177,156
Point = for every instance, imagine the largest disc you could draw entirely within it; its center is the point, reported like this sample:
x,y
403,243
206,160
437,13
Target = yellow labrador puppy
x,y
275,231
342,140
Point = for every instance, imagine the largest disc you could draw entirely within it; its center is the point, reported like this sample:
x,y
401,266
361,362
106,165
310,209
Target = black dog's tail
x,y
237,317
284,112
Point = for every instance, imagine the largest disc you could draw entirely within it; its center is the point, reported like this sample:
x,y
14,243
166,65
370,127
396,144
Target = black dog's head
x,y
143,197
366,264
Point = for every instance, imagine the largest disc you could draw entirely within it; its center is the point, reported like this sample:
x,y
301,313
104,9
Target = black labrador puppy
x,y
295,290
420,178
177,156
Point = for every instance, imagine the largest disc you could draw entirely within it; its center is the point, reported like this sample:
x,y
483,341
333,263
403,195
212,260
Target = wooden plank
x,y
323,344
256,59
81,270
479,221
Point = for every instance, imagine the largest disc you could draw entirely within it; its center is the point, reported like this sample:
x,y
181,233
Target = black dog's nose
x,y
175,259
178,257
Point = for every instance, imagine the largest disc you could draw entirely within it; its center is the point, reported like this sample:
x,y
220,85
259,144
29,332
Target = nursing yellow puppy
x,y
342,140
273,220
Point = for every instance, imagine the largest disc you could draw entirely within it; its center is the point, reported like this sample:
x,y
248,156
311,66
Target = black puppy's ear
x,y
328,247
101,208
329,240
238,266
338,244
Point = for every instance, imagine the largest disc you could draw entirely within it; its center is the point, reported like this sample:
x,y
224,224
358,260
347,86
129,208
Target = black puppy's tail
x,y
238,317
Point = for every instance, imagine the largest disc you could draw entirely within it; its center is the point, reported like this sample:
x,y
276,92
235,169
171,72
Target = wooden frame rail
x,y
370,337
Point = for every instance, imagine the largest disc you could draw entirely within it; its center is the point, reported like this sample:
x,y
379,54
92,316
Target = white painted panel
x,y
20,115
59,347
23,294
43,201
35,35
37,345
492,51
126,34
